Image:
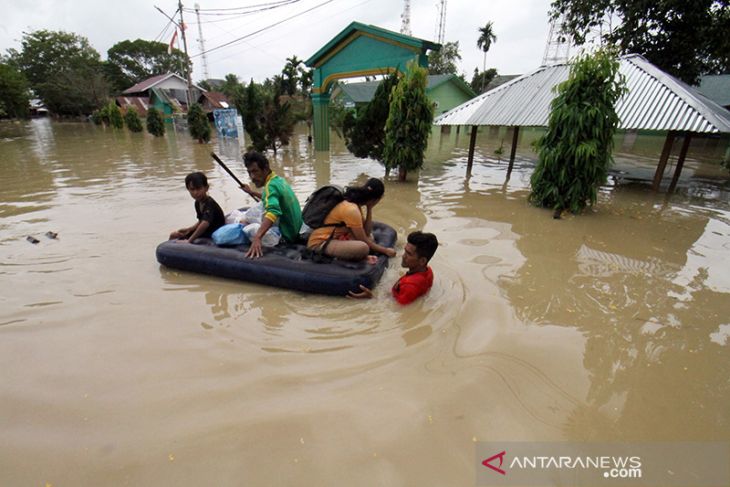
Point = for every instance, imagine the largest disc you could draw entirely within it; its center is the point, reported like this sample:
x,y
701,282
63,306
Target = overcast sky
x,y
521,27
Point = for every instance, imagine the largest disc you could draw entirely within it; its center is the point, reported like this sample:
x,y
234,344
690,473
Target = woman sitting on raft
x,y
351,241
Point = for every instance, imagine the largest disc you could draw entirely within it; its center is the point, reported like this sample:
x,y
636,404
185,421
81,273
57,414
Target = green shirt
x,y
282,206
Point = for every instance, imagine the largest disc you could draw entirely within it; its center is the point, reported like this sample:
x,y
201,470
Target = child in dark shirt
x,y
210,215
419,278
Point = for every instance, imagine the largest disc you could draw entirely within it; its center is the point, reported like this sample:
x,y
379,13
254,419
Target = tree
x,y
575,152
14,99
290,75
232,87
481,80
198,123
685,39
444,60
409,122
364,130
115,116
63,69
484,42
250,106
130,62
155,123
277,123
132,121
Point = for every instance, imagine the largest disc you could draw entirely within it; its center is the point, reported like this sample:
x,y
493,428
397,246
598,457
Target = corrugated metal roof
x,y
655,101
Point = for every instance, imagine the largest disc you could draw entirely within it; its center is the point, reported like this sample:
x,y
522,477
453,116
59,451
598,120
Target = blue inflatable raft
x,y
281,266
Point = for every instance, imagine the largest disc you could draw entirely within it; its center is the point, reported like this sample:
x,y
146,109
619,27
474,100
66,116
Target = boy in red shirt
x,y
419,278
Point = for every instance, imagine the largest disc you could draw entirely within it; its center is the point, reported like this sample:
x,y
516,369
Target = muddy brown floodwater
x,y
613,325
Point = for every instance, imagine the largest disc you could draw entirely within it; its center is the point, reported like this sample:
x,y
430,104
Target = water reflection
x,y
611,325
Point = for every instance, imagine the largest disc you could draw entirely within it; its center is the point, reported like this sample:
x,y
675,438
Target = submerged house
x,y
445,90
166,92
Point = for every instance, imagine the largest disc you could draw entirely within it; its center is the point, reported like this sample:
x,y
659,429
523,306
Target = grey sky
x,y
521,27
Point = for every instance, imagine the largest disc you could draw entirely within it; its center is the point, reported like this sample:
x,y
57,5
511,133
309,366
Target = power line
x,y
280,3
263,29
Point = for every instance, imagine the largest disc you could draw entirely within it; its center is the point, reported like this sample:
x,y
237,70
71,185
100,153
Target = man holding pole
x,y
280,203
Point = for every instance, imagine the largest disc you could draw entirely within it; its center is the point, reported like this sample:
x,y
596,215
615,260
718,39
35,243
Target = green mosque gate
x,y
359,50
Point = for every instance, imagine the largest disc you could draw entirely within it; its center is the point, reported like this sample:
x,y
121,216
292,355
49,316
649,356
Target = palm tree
x,y
484,42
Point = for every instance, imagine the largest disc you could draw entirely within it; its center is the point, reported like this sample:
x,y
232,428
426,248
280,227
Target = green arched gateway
x,y
359,50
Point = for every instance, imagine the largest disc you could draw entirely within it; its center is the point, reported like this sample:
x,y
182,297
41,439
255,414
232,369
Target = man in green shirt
x,y
280,203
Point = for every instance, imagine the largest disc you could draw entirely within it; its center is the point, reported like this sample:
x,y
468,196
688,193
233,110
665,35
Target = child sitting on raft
x,y
209,214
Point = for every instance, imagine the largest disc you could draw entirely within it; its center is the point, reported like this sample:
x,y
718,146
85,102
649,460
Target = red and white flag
x,y
172,42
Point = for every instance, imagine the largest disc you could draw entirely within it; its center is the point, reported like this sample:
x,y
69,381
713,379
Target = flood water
x,y
613,325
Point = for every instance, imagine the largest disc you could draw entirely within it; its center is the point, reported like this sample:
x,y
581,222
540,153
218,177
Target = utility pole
x,y
187,58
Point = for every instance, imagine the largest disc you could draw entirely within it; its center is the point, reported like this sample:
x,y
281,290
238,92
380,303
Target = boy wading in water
x,y
209,214
419,278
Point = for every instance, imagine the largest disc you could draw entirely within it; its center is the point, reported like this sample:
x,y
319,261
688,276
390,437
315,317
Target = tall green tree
x,y
277,122
14,97
444,60
198,124
250,106
575,153
684,38
130,62
290,75
232,87
364,129
481,79
484,42
63,70
409,122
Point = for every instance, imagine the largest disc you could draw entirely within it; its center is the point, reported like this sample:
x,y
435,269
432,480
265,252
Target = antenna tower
x,y
441,33
201,43
405,18
557,50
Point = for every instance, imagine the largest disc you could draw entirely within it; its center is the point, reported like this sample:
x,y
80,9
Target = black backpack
x,y
320,203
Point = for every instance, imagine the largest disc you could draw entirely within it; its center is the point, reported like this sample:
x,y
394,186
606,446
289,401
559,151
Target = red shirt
x,y
411,286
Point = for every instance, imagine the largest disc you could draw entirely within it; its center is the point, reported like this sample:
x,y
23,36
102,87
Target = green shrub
x,y
155,123
409,122
198,123
575,153
115,115
131,119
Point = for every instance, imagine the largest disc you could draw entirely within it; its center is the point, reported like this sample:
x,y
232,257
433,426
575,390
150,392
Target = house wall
x,y
447,96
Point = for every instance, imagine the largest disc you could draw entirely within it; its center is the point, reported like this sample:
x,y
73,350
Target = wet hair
x,y
373,189
253,157
425,244
196,180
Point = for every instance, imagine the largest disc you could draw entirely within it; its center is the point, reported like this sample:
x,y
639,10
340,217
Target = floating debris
x,y
51,234
32,239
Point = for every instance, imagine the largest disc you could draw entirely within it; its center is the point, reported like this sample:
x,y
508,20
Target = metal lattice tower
x,y
201,43
557,50
441,26
405,18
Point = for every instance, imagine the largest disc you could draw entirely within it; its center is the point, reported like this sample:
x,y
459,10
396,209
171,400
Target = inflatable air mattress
x,y
281,266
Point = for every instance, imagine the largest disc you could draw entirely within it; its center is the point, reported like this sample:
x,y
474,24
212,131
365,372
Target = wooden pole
x,y
515,135
680,161
472,144
663,160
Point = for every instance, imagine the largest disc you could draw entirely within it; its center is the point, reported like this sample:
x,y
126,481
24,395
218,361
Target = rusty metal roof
x,y
655,101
